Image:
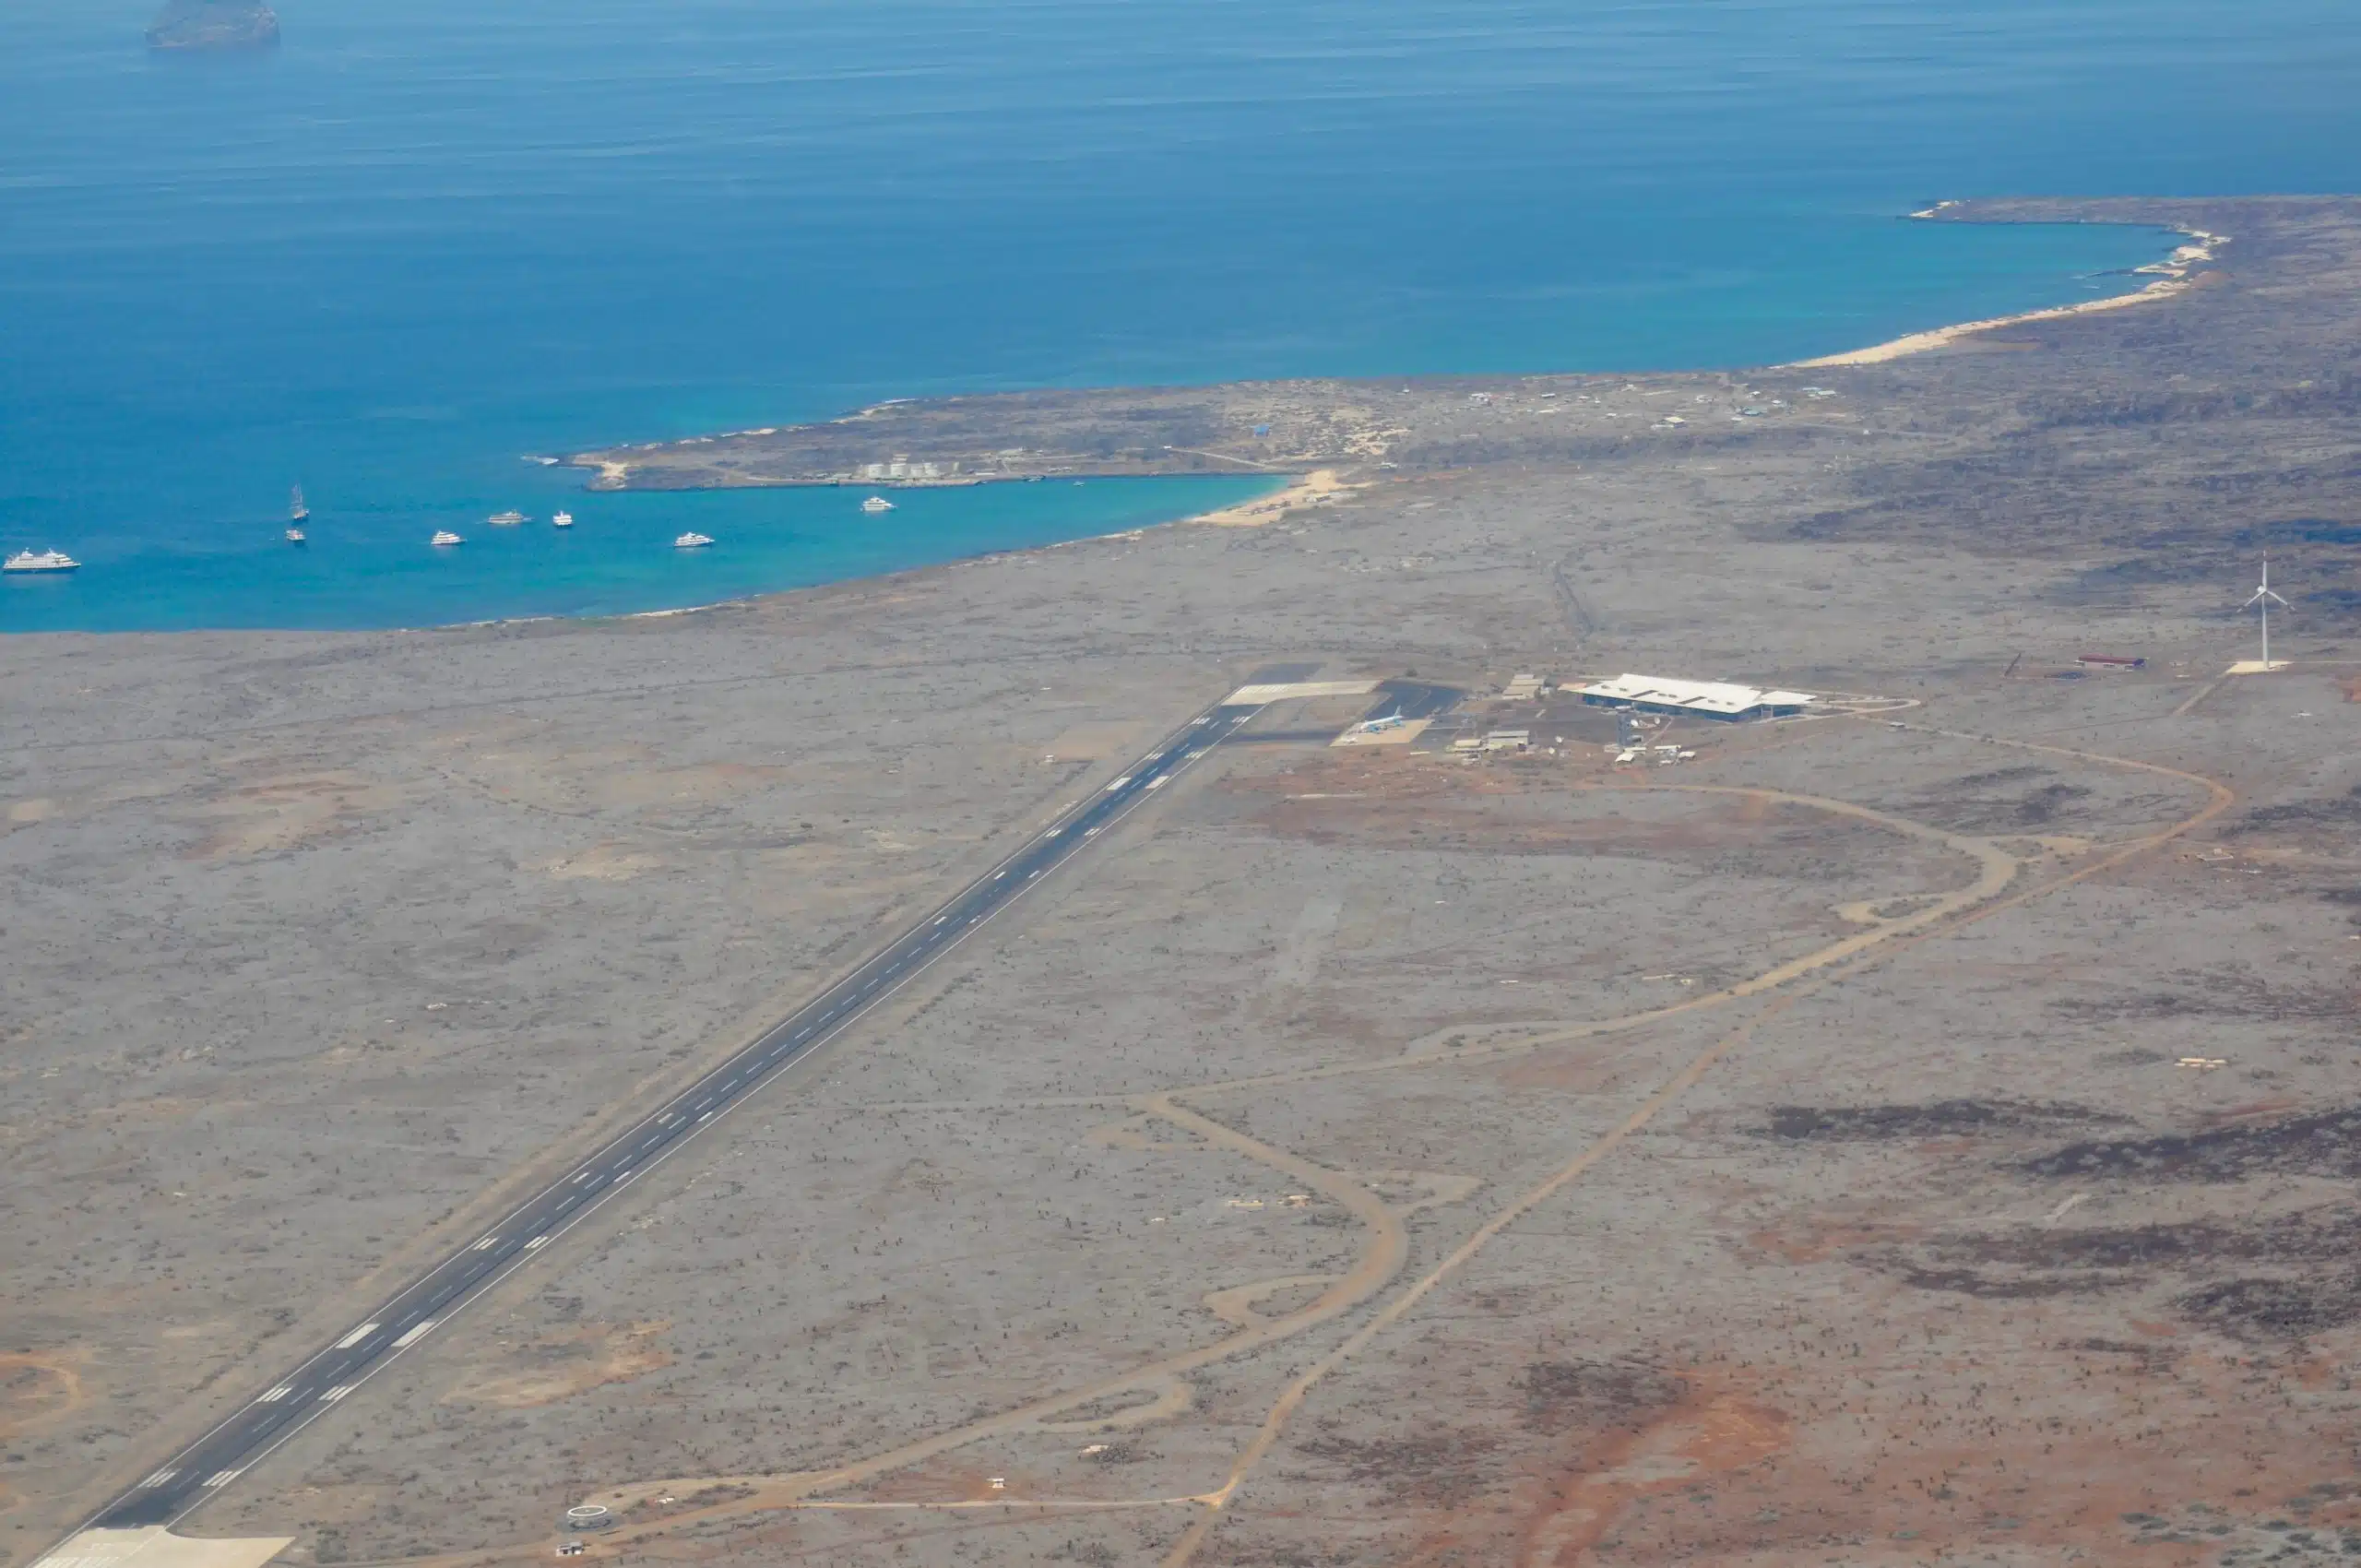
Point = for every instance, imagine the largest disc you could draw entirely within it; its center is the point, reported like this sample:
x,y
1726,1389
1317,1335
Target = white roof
x,y
1697,696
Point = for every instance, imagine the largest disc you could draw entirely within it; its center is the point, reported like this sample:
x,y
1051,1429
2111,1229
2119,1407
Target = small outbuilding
x,y
1707,700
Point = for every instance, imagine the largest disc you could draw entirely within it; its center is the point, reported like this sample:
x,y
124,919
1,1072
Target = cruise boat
x,y
562,520
877,504
444,536
692,542
45,561
506,520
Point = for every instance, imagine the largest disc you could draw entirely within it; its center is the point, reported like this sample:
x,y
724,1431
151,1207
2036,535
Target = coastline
x,y
1321,439
2176,275
454,871
1319,487
1309,486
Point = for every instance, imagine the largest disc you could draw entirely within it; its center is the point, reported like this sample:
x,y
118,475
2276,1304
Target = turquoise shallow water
x,y
416,242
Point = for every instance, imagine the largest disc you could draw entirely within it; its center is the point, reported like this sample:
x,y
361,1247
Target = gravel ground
x,y
1593,1245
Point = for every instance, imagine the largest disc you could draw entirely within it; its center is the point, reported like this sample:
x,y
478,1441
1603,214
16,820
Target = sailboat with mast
x,y
297,515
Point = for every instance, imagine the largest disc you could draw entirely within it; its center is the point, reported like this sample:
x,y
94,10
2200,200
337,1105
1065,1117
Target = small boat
x,y
506,520
294,536
45,561
877,504
692,542
562,520
296,511
444,536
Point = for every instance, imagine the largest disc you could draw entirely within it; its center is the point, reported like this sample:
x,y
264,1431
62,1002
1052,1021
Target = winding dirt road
x,y
2001,883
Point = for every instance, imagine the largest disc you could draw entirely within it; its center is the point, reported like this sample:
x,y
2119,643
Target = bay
x,y
413,244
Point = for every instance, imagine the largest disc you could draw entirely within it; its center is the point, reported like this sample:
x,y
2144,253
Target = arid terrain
x,y
1923,1131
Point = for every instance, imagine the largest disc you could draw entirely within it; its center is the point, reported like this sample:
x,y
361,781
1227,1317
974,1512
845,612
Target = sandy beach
x,y
1319,486
2174,275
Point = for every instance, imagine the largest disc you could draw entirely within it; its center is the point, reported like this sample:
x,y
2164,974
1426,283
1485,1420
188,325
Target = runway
x,y
332,1372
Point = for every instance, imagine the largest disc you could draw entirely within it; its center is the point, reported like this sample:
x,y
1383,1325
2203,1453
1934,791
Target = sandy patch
x,y
508,767
1686,1445
1095,742
36,1387
604,862
709,782
564,1363
278,814
1576,1070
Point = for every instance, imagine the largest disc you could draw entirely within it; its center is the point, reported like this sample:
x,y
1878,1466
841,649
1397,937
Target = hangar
x,y
1707,700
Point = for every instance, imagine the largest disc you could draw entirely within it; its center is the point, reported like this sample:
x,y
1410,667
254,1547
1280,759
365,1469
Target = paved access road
x,y
201,1470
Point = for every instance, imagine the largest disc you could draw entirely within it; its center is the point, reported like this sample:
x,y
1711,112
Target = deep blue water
x,y
419,240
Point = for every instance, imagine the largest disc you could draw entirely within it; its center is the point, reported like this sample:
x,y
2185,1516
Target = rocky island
x,y
214,24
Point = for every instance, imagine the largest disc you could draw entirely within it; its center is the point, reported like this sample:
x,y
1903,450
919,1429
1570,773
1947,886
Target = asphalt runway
x,y
331,1374
1409,699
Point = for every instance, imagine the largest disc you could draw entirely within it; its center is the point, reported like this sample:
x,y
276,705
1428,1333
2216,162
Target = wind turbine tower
x,y
2263,599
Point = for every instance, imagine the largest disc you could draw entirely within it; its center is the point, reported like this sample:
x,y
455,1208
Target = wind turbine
x,y
2264,597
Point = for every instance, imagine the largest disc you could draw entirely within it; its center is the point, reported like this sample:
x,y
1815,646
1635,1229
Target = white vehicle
x,y
692,542
1379,726
506,520
444,536
877,504
294,536
562,520
46,560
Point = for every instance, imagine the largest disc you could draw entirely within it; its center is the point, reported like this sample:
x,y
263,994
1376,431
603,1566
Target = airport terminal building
x,y
1707,700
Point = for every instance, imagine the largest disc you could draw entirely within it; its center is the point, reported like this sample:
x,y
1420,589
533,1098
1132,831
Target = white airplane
x,y
1378,725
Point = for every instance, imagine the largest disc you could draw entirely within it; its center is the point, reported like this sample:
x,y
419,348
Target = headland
x,y
1925,1123
1394,425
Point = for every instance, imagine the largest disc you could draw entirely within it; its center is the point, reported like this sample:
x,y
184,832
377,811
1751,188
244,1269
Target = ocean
x,y
416,243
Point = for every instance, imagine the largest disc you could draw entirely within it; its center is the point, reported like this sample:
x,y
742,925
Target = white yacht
x,y
294,536
562,520
444,536
877,504
296,511
692,542
45,561
506,520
